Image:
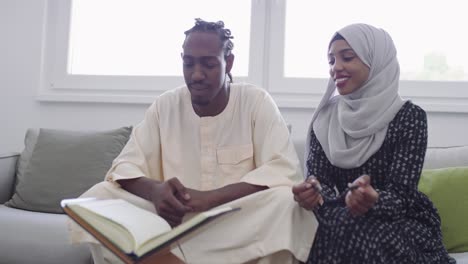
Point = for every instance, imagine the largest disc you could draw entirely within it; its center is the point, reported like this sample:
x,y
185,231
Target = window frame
x,y
266,69
59,86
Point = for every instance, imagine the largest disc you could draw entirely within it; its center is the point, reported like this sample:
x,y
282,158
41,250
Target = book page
x,y
141,224
194,221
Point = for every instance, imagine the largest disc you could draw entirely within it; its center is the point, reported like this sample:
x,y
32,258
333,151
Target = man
x,y
214,142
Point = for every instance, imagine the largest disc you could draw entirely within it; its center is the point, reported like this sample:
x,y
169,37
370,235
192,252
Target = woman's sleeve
x,y
405,168
318,165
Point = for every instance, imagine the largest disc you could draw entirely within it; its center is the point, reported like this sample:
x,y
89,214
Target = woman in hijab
x,y
365,153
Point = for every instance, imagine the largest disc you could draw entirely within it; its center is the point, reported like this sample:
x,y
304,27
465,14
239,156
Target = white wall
x,y
21,23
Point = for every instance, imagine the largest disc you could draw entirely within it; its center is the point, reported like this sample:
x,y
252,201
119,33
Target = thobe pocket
x,y
234,162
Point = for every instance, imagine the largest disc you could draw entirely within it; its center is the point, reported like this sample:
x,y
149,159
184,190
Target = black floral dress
x,y
403,226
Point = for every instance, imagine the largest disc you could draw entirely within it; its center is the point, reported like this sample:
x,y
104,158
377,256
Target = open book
x,y
130,232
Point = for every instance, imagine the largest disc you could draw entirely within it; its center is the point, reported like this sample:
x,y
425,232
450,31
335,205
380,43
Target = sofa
x,y
28,236
54,165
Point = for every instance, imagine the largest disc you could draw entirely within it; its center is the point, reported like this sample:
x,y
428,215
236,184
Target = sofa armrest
x,y
442,157
7,175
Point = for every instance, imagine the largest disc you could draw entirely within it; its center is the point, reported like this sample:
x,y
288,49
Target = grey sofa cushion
x,y
59,164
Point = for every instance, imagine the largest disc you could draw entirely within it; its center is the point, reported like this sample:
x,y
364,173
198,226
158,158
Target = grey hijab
x,y
351,128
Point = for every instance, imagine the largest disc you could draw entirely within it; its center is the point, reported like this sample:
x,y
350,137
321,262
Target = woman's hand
x,y
306,193
363,198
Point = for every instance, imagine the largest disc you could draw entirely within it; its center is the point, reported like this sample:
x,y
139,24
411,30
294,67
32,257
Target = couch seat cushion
x,y
39,238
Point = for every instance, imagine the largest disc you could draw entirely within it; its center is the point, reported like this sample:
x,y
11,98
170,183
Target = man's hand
x,y
200,200
168,198
306,195
204,200
360,200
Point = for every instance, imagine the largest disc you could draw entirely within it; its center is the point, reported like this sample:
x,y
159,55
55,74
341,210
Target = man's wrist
x,y
153,190
214,197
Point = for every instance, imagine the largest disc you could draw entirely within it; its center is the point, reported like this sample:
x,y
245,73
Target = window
x,y
427,34
128,50
139,38
429,47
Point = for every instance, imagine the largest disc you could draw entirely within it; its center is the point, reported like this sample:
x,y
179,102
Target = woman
x,y
365,154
